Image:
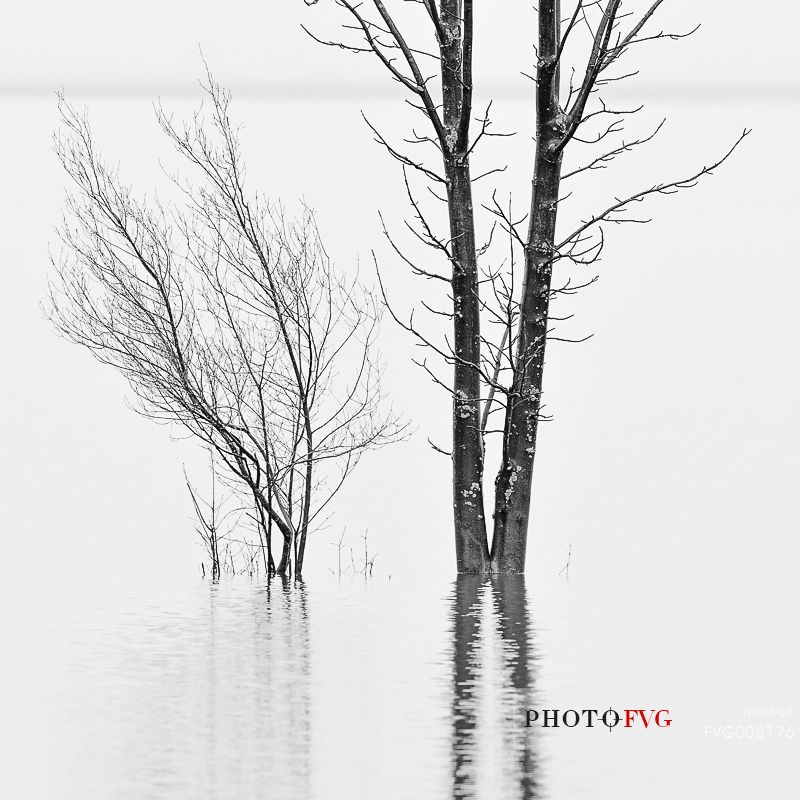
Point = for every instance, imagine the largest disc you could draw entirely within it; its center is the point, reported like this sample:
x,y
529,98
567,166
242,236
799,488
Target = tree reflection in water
x,y
493,753
258,716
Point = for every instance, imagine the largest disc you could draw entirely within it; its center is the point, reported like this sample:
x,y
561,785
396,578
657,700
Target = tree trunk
x,y
513,483
472,550
285,564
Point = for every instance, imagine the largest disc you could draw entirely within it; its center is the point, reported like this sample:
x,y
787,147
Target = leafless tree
x,y
500,312
210,520
227,317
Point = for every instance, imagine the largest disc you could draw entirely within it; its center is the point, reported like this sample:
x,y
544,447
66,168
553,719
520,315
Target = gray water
x,y
243,689
380,688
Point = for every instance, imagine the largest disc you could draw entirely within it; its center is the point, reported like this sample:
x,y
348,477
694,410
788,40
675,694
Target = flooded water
x,y
385,688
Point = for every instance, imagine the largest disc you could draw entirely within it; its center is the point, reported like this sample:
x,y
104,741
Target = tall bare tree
x,y
227,317
500,371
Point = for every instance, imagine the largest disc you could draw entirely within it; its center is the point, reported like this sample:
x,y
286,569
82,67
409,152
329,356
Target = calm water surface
x,y
243,689
404,687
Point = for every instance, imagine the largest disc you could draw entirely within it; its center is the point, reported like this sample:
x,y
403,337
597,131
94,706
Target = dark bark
x,y
513,483
472,552
285,564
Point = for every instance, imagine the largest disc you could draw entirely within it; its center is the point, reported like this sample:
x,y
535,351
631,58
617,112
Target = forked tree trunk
x,y
513,483
452,21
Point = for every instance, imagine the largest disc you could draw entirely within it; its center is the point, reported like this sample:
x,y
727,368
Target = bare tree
x,y
209,520
500,314
227,317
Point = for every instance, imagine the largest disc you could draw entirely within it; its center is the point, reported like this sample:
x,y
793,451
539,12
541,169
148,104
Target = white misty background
x,y
671,466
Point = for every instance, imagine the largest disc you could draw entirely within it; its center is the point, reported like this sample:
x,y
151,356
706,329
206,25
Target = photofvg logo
x,y
592,718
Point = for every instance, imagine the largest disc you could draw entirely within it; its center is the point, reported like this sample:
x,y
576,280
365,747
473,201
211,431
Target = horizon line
x,y
300,91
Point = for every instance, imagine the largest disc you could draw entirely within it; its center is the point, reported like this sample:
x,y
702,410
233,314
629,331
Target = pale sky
x,y
152,46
